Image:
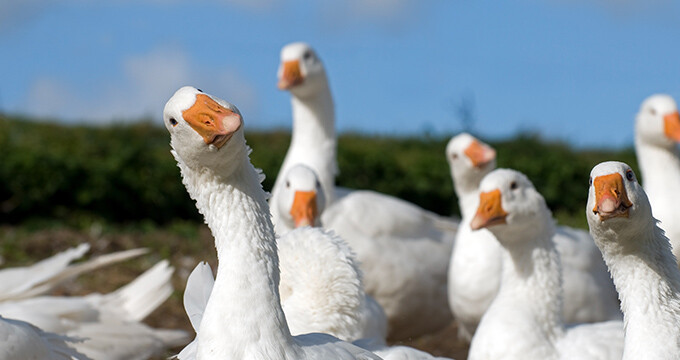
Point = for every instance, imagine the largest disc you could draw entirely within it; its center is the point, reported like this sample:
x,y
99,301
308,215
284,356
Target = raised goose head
x,y
301,71
616,201
658,121
205,131
469,160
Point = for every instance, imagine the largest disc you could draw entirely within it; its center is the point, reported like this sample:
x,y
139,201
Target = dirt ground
x,y
184,245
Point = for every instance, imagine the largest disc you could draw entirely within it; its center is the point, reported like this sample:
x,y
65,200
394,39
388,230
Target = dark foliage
x,y
125,173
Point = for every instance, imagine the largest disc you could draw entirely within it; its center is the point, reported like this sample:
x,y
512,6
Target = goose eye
x,y
318,184
629,175
173,122
652,111
307,55
590,181
288,184
454,156
513,185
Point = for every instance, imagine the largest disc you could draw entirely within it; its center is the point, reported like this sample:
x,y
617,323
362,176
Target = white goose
x,y
321,284
475,269
403,250
21,340
318,265
657,132
243,318
199,287
475,266
108,325
301,199
640,259
525,319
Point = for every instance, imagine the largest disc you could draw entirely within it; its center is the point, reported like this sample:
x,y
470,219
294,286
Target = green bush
x,y
125,173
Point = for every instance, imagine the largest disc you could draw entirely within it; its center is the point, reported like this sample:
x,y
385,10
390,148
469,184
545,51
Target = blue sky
x,y
574,70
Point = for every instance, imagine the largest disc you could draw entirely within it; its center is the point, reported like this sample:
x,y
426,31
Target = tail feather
x,y
130,341
96,263
188,353
143,295
47,274
20,282
197,292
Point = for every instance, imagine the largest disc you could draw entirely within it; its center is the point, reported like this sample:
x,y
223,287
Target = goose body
x,y
403,250
525,319
243,317
21,341
109,325
475,269
198,290
657,132
640,259
321,284
321,289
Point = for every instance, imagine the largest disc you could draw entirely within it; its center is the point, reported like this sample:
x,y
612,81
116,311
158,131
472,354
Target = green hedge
x,y
125,173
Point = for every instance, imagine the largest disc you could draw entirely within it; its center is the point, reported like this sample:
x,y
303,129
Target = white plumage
x,y
657,132
28,281
403,250
109,325
475,269
243,318
20,340
525,319
640,259
321,289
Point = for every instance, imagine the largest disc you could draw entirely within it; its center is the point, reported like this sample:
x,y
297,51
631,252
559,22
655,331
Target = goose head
x,y
616,201
658,121
510,207
205,131
302,198
469,161
301,71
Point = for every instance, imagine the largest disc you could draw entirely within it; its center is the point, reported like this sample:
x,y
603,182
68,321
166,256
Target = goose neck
x,y
244,306
466,187
647,279
657,165
313,117
468,201
532,270
313,142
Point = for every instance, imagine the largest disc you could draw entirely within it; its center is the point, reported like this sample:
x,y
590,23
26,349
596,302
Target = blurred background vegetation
x,y
118,187
124,174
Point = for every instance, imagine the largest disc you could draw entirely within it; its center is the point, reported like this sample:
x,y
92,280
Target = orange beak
x,y
611,199
304,209
490,211
291,75
671,126
480,154
215,123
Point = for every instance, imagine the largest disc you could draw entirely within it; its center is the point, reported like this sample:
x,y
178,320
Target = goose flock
x,y
316,271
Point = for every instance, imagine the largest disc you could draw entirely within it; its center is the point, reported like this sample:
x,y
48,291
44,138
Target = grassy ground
x,y
184,244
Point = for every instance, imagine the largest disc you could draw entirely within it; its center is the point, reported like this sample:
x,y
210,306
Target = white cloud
x,y
16,12
622,7
145,84
387,9
390,14
48,97
257,5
